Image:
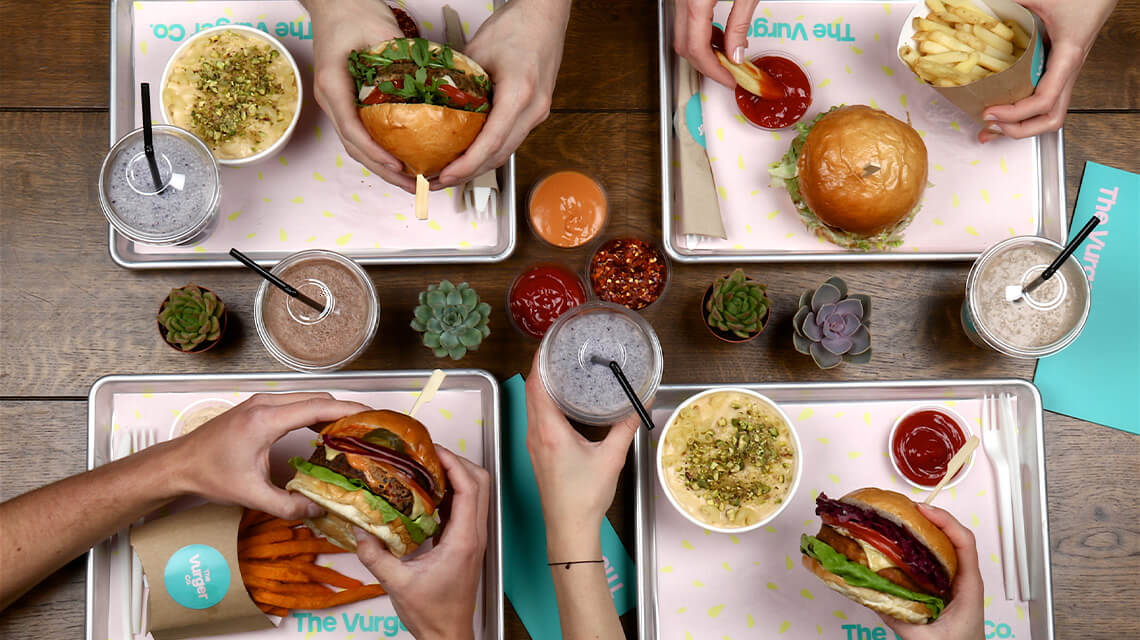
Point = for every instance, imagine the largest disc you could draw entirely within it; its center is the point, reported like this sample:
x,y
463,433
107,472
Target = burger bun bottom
x,y
348,508
885,603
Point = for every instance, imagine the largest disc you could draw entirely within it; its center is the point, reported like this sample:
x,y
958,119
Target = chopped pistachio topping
x,y
238,88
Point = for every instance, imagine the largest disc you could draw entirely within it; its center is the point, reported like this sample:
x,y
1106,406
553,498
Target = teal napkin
x,y
526,578
1097,377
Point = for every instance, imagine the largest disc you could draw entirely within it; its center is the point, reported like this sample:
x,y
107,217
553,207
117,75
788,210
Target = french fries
x,y
276,558
958,43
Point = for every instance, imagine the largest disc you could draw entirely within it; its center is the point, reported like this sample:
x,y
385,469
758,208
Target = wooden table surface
x,y
68,315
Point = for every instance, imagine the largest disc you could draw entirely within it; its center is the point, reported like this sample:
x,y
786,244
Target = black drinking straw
x,y
1064,255
628,389
148,138
275,281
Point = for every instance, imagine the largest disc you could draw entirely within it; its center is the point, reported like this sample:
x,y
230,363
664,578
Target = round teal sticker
x,y
197,576
694,118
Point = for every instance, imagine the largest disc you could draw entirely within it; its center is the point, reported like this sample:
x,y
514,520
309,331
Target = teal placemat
x,y
1097,378
526,578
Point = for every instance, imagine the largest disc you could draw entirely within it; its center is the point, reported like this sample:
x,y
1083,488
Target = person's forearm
x,y
585,606
44,529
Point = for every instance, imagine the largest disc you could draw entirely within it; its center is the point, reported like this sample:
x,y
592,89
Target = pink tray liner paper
x,y
977,194
312,195
752,585
452,416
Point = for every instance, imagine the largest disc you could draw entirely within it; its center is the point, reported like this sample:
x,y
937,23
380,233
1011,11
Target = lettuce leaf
x,y
419,529
861,576
785,174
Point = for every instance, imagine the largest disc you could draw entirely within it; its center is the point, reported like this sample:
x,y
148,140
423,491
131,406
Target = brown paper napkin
x,y
700,209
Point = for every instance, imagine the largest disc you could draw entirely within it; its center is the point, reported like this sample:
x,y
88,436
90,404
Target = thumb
x,y
283,504
621,435
376,557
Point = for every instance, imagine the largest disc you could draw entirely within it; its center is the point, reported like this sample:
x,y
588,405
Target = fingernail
x,y
989,116
738,55
993,128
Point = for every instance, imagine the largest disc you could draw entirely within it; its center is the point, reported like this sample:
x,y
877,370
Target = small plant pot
x,y
728,336
205,346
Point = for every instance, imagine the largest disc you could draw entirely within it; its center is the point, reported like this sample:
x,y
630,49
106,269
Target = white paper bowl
x,y
791,489
273,149
958,419
205,404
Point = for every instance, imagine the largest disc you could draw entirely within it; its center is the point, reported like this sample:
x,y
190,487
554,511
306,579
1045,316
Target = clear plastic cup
x,y
299,337
1045,320
587,390
182,210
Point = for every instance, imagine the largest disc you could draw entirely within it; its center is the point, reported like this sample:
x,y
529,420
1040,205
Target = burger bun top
x,y
836,172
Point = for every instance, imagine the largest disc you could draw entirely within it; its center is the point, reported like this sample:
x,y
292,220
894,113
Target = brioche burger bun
x,y
377,470
856,176
421,101
875,548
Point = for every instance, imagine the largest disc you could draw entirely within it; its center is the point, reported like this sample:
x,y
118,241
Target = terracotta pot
x,y
728,336
205,346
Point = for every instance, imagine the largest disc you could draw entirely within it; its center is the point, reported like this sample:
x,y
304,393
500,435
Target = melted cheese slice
x,y
876,561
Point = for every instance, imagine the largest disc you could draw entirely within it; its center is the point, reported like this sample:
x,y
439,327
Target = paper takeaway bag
x,y
191,564
1005,87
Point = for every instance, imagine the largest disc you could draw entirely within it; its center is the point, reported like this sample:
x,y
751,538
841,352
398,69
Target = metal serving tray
x,y
100,402
1052,216
1031,447
123,252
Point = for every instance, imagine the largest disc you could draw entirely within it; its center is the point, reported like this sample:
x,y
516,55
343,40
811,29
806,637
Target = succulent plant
x,y
737,305
452,319
192,318
831,326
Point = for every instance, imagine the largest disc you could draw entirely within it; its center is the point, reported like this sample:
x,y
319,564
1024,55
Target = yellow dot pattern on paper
x,y
996,560
1020,612
739,117
823,440
344,240
847,68
902,100
972,231
434,225
807,63
785,625
318,177
355,197
806,413
234,215
974,163
1018,195
873,103
986,603
260,177
298,200
749,621
720,133
740,161
834,478
776,136
877,35
723,193
283,161
767,12
887,70
667,569
734,539
284,237
954,125
867,418
339,161
955,200
688,636
200,249
142,45
773,586
698,584
748,228
1004,167
365,172
317,131
445,413
856,50
770,529
823,83
249,236
1012,231
837,20
986,195
839,614
401,217
854,454
814,494
716,611
327,214
789,234
788,564
265,199
807,594
685,544
938,167
310,238
463,445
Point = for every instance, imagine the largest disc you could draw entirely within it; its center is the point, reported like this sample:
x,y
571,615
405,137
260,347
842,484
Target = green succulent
x,y
452,319
192,317
737,305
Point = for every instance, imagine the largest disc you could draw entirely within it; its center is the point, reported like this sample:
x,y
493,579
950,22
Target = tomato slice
x,y
886,546
460,98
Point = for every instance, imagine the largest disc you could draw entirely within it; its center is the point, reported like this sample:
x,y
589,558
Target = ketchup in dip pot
x,y
541,294
922,444
783,112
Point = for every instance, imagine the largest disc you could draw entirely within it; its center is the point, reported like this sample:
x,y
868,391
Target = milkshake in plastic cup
x,y
1045,320
183,210
585,390
304,339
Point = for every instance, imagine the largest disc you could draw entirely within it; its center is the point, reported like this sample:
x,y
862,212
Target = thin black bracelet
x,y
567,564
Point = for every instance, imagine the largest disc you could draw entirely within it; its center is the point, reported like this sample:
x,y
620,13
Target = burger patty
x,y
388,485
853,551
463,81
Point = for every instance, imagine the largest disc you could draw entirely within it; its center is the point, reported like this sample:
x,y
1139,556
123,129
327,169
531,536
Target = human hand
x,y
520,47
339,27
1072,27
228,457
692,30
434,594
962,619
576,477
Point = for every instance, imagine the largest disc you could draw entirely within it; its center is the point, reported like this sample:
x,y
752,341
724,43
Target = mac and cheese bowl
x,y
235,87
729,460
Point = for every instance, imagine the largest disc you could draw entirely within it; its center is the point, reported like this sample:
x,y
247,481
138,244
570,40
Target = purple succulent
x,y
832,327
